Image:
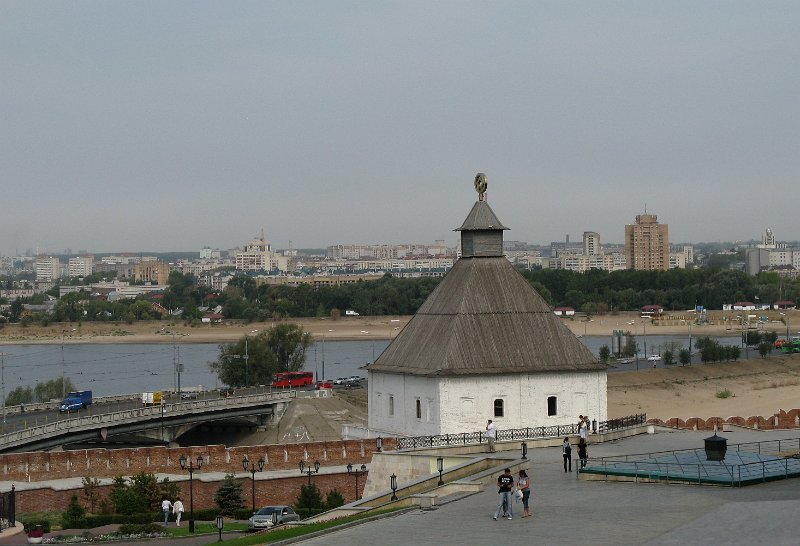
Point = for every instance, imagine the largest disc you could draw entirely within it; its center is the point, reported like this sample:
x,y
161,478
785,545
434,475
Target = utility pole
x,y
3,381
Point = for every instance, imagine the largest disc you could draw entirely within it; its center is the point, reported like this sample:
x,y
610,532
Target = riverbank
x,y
342,329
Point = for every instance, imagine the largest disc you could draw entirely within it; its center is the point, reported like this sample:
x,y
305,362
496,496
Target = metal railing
x,y
528,433
8,510
764,446
666,466
78,424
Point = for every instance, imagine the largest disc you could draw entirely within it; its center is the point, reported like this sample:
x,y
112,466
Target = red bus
x,y
293,379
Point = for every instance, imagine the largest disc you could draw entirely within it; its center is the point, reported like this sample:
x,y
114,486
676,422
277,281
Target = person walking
x,y
583,453
166,505
491,435
524,485
177,509
505,484
566,452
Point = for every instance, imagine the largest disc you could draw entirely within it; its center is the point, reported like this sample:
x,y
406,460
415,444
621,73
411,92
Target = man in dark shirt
x,y
505,484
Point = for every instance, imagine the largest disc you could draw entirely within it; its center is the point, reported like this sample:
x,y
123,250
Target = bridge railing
x,y
89,422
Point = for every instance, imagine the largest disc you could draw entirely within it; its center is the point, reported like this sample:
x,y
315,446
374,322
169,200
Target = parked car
x,y
654,358
263,519
188,395
352,381
340,381
323,385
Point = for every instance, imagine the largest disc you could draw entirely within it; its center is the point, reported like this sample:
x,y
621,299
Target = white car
x,y
263,519
654,358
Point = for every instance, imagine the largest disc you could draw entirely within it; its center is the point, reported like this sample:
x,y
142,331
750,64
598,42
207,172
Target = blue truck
x,y
76,400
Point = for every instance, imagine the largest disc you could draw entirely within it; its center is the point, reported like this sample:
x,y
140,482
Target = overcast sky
x,y
166,126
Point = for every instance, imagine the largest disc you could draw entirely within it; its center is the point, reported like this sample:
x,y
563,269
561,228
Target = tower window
x,y
419,409
391,405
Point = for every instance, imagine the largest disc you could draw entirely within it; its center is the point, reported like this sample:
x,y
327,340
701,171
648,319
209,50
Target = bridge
x,y
161,423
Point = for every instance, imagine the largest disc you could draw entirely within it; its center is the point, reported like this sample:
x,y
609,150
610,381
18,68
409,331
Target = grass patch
x,y
725,393
54,517
300,530
202,528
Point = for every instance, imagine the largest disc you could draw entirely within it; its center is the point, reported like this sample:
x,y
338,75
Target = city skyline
x,y
158,127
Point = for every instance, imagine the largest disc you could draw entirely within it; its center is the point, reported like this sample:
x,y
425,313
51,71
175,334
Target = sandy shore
x,y
757,387
346,328
349,328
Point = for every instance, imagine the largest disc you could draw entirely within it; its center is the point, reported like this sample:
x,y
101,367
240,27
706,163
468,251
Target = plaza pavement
x,y
571,511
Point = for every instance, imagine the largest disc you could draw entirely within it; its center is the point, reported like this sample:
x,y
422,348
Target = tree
x,y
669,358
334,499
124,499
631,347
229,495
278,349
604,353
146,486
764,348
169,489
74,516
309,502
91,490
752,338
19,396
685,357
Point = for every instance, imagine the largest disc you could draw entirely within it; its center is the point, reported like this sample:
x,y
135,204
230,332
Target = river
x,y
121,368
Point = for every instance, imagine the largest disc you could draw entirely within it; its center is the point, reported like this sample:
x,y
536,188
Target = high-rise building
x,y
48,268
80,266
591,243
647,243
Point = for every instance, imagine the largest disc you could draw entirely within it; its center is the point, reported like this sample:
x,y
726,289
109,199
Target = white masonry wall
x,y
393,404
467,402
450,405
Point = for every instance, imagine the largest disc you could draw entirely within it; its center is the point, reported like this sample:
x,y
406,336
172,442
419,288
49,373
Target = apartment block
x,y
48,268
647,244
80,266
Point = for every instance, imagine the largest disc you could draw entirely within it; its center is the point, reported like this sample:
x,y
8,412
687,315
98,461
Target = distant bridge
x,y
163,423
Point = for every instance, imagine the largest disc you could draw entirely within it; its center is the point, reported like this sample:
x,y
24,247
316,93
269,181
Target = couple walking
x,y
507,490
176,508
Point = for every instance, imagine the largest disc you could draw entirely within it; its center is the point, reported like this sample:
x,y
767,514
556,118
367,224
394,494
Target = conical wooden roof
x,y
485,318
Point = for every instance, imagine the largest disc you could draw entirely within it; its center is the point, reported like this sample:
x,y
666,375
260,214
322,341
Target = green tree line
x,y
595,291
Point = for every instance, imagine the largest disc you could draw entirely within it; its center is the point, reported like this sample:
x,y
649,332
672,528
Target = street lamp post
x,y
644,326
309,469
63,383
393,482
440,468
356,472
258,467
189,464
3,380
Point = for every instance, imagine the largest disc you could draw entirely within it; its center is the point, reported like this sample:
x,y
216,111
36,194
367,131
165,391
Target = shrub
x,y
724,394
30,524
141,529
334,499
74,516
229,495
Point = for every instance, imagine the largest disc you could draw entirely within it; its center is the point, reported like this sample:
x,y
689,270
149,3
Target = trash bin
x,y
716,446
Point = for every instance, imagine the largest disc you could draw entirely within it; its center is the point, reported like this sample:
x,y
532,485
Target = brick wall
x,y
268,491
781,420
106,463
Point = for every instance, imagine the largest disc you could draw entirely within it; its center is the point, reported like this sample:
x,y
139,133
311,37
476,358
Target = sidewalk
x,y
570,511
